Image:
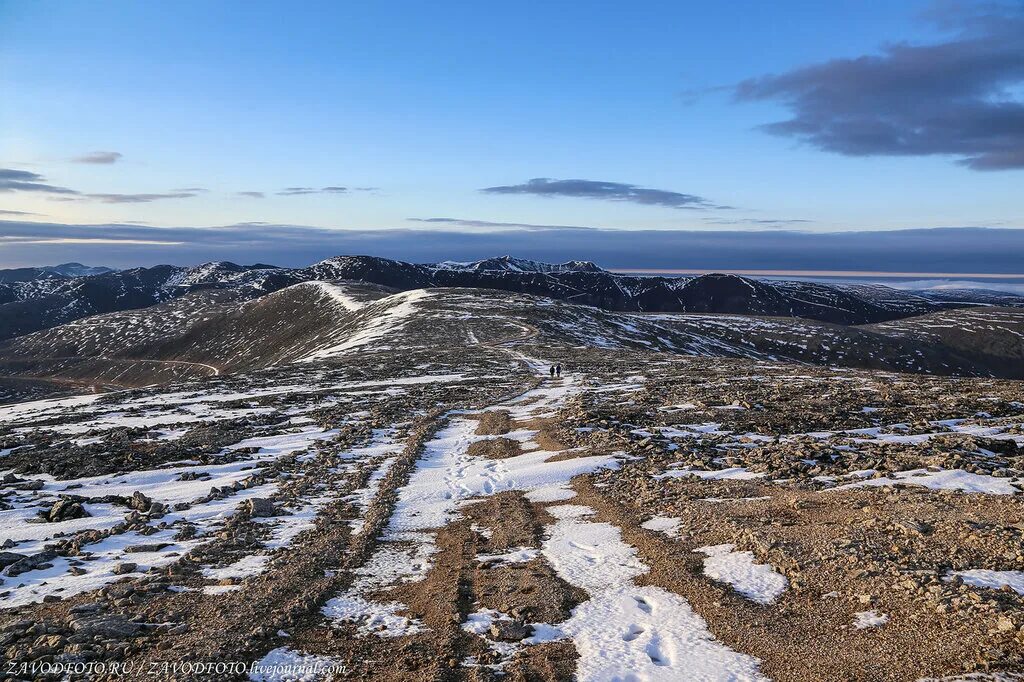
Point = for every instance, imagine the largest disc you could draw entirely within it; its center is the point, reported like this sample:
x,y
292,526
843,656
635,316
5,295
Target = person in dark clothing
x,y
558,370
552,371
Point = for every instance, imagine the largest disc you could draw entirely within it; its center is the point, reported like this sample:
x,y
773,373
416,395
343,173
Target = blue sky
x,y
415,108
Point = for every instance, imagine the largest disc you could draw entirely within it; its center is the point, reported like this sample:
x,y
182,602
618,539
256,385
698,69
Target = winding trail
x,y
214,371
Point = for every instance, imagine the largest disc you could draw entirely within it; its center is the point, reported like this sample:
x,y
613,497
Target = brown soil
x,y
495,448
807,634
529,590
551,662
494,423
547,432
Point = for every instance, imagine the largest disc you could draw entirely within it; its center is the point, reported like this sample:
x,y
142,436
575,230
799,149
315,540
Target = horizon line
x,y
813,273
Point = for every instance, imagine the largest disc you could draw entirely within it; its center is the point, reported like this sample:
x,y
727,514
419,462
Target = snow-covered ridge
x,y
338,295
519,265
387,316
218,272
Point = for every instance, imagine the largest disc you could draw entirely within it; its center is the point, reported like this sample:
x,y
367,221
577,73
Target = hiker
x,y
552,371
558,370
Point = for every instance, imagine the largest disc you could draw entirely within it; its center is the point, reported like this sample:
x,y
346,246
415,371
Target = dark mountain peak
x,y
349,262
512,264
77,269
711,276
370,269
218,266
62,271
724,281
727,293
255,279
26,274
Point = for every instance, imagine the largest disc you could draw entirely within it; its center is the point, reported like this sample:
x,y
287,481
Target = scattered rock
x,y
154,547
140,502
8,558
65,509
259,507
510,630
106,626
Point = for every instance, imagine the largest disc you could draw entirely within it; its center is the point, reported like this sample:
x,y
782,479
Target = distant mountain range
x,y
62,271
32,299
143,326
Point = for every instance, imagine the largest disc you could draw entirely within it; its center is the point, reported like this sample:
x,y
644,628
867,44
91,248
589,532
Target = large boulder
x,y
105,626
65,509
8,558
261,507
140,502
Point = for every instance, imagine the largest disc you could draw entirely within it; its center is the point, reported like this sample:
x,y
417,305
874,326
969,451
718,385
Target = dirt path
x,y
315,568
214,371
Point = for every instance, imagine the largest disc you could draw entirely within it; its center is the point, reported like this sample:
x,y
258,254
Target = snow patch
x,y
626,632
869,619
982,577
757,582
371,617
669,525
518,555
943,479
730,473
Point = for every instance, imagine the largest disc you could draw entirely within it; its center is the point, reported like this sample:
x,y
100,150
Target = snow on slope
x,y
390,315
516,265
339,294
975,321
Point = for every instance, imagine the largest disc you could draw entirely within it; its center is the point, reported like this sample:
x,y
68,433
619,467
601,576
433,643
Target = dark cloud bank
x,y
963,250
961,97
13,180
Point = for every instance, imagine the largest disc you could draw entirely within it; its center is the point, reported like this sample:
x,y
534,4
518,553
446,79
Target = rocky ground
x,y
458,514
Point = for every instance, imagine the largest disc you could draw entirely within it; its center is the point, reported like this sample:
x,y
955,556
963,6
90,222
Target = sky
x,y
668,135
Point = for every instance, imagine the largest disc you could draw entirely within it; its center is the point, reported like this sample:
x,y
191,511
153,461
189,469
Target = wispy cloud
x,y
251,195
602,189
959,98
4,211
138,198
297,191
488,224
13,180
758,222
99,157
